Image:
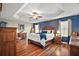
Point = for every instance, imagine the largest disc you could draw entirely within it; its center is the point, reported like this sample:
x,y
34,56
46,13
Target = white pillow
x,y
40,31
48,31
52,31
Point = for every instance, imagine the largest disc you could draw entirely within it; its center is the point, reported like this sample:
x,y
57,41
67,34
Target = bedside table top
x,y
58,36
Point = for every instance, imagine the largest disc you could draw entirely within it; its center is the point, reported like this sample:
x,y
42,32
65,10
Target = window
x,y
36,28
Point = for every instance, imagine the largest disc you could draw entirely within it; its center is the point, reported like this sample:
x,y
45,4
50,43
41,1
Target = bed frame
x,y
38,44
47,42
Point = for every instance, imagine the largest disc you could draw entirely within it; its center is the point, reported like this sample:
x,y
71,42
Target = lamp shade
x,y
58,32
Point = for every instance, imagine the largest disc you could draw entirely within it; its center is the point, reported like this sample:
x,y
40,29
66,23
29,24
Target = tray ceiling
x,y
48,11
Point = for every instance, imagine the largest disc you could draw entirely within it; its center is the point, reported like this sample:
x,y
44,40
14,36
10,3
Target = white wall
x,y
10,23
28,28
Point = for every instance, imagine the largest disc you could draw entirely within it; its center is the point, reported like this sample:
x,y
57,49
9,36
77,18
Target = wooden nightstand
x,y
58,39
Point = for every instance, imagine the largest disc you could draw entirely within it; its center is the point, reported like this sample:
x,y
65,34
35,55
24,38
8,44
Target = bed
x,y
35,38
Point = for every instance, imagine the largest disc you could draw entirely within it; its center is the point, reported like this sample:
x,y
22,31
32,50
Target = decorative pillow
x,y
52,31
44,32
40,31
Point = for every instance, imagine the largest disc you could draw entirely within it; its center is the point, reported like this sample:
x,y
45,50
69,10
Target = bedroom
x,y
35,24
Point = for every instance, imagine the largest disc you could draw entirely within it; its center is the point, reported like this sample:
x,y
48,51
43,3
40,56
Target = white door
x,y
65,29
37,28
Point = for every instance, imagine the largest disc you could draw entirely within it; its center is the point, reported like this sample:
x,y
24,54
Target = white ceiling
x,y
8,10
49,11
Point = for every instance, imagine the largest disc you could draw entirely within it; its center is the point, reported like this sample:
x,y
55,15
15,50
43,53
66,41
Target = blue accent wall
x,y
53,23
75,22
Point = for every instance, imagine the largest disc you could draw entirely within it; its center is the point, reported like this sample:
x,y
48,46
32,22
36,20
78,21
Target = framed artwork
x,y
3,24
21,27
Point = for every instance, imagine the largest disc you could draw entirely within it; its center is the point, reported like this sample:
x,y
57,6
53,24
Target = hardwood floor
x,y
34,50
62,50
21,45
51,50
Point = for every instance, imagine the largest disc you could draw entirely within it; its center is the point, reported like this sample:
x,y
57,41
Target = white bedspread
x,y
36,37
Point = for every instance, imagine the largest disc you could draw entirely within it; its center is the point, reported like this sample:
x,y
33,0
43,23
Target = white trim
x,y
20,9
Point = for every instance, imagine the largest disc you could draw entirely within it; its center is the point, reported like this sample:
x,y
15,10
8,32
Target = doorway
x,y
65,29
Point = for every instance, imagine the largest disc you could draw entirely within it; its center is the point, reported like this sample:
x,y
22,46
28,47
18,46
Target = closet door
x,y
36,28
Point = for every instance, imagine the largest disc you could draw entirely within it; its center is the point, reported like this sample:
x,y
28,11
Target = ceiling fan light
x,y
35,16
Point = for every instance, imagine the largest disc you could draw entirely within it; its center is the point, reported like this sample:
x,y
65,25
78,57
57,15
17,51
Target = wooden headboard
x,y
75,33
48,28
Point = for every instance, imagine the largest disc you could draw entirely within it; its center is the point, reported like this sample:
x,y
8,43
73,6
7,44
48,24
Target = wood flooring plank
x,y
34,50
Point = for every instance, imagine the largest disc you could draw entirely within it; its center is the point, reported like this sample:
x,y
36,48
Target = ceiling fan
x,y
35,15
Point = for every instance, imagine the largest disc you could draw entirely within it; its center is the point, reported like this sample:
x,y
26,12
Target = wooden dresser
x,y
22,35
7,41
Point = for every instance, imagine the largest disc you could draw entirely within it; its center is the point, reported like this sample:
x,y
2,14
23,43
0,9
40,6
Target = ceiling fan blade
x,y
35,13
39,16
